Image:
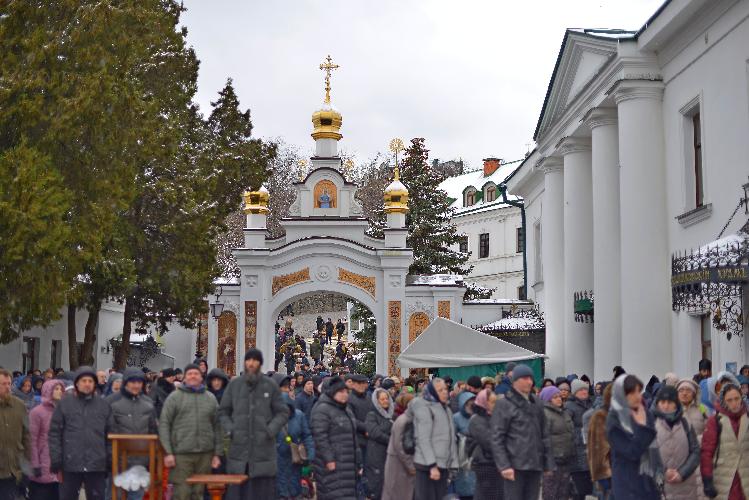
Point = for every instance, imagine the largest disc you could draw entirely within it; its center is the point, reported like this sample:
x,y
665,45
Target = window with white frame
x,y
491,193
538,270
470,197
694,167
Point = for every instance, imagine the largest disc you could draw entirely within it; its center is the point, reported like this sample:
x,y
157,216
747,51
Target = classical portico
x,y
326,249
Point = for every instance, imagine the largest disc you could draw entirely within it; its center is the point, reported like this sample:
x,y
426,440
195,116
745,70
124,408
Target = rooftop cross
x,y
328,66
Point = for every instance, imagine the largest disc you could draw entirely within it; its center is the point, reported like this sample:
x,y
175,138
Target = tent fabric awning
x,y
446,344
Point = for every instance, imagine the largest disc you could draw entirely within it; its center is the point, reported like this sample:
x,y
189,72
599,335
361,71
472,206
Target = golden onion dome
x,y
256,202
396,196
327,122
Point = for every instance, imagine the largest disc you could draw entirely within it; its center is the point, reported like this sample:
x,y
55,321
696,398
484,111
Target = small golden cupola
x,y
396,194
256,202
327,120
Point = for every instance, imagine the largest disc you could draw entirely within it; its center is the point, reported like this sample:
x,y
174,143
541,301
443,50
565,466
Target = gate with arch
x,y
326,249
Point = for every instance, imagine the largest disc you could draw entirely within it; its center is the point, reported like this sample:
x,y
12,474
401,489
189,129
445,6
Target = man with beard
x,y
252,412
78,445
164,387
15,436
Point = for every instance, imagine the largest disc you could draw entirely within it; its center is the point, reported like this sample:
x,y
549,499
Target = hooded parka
x,y
40,419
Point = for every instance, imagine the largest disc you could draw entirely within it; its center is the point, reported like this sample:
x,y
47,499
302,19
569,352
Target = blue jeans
x,y
136,495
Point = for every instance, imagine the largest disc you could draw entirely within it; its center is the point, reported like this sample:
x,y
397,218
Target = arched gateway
x,y
325,249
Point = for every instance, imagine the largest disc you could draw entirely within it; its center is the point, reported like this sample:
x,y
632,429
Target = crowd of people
x,y
322,435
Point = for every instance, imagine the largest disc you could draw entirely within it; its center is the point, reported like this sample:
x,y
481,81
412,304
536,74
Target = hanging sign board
x,y
726,274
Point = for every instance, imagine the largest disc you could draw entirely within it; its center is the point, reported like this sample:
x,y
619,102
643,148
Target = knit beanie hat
x,y
577,385
474,381
256,354
510,366
84,371
521,371
333,385
667,393
168,372
548,392
192,366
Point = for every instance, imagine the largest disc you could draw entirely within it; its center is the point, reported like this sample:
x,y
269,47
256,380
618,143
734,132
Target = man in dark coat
x,y
78,444
337,464
14,438
339,328
520,442
329,330
164,387
577,404
306,399
360,404
252,411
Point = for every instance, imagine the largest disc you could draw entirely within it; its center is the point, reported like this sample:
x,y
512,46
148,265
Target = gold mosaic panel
x,y
366,283
394,336
227,342
250,324
417,323
443,309
325,186
281,282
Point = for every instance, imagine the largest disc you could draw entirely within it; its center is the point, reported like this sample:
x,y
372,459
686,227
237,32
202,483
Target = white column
x,y
552,253
645,270
578,250
607,329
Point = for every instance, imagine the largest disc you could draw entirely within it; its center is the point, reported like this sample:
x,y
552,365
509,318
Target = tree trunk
x,y
72,338
121,354
89,337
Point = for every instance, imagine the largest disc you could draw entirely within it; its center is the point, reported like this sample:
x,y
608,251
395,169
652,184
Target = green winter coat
x,y
315,349
253,414
14,437
189,422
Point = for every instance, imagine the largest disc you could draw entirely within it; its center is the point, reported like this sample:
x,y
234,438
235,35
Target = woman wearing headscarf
x,y
694,411
289,476
399,465
379,424
43,484
630,430
711,386
488,481
24,391
598,450
114,383
560,428
677,444
726,475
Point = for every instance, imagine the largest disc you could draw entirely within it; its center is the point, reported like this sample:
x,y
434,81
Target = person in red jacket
x,y
44,484
721,439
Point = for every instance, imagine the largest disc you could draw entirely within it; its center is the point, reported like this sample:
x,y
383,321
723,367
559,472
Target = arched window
x,y
470,197
491,193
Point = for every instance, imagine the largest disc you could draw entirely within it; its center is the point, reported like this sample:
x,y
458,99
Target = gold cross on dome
x,y
327,67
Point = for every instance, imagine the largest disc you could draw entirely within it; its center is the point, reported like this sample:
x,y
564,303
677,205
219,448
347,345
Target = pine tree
x,y
366,339
430,232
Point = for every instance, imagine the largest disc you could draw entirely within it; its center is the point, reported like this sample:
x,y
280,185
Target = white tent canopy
x,y
446,344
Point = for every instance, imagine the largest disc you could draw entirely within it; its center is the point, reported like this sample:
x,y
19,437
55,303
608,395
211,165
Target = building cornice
x,y
639,88
601,117
551,164
569,145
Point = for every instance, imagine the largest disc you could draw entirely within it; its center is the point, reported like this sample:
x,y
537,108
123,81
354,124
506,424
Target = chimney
x,y
491,165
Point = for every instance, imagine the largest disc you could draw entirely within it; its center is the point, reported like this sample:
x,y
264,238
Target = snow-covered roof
x,y
498,301
226,280
513,324
455,186
434,279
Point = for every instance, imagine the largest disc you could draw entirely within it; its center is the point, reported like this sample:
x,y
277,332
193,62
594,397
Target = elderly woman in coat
x,y
336,463
561,430
677,444
289,475
379,425
399,466
436,447
488,482
43,484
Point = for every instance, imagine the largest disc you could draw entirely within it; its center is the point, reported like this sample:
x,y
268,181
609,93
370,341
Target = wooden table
x,y
125,445
217,483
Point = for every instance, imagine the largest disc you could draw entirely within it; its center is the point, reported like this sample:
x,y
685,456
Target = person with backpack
x,y
399,465
724,460
677,444
489,483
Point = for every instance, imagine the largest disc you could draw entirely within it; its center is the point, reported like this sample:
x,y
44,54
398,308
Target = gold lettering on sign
x,y
394,336
250,324
443,309
366,283
281,282
418,322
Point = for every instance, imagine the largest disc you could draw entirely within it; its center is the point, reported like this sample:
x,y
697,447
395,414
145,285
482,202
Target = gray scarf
x,y
388,414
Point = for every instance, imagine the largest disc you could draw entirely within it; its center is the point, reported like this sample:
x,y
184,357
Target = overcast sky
x,y
467,75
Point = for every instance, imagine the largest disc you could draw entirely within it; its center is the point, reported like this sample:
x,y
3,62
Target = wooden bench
x,y
216,483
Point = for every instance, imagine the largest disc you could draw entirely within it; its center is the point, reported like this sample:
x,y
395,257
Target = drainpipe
x,y
521,205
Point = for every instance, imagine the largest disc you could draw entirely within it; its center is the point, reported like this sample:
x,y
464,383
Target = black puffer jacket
x,y
159,394
480,437
78,434
334,429
576,408
134,414
519,437
378,429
